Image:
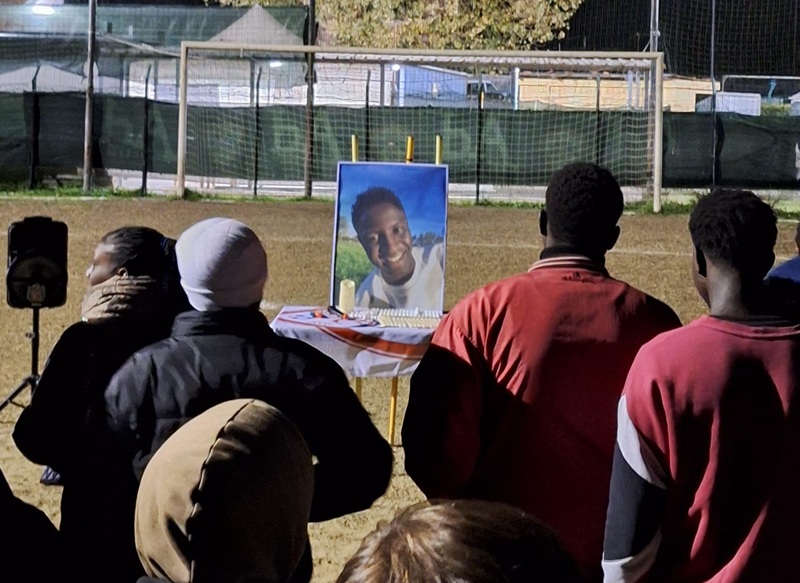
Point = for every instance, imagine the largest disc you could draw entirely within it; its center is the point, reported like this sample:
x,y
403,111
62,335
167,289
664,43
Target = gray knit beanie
x,y
222,264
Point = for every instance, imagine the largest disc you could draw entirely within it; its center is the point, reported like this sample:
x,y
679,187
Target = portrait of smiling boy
x,y
389,236
404,275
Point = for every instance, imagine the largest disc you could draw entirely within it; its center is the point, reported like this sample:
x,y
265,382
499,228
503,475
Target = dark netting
x,y
752,38
608,25
755,38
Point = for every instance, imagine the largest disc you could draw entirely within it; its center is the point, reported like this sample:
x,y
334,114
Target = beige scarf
x,y
124,295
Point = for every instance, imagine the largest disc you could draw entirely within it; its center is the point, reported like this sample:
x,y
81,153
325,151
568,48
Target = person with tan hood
x,y
227,499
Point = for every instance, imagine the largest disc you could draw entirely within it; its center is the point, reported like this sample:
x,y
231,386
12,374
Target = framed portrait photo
x,y
389,236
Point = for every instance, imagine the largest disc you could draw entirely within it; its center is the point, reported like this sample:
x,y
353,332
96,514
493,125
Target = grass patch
x,y
192,195
351,261
71,192
785,208
501,204
644,207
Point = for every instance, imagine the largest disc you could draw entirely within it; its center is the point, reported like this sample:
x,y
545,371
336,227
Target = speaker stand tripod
x,y
32,379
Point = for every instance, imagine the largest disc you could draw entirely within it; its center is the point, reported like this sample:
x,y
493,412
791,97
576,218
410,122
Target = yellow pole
x,y
409,149
354,148
358,388
438,149
393,411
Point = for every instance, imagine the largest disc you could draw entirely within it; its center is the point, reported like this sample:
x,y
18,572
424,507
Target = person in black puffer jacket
x,y
226,350
30,543
130,303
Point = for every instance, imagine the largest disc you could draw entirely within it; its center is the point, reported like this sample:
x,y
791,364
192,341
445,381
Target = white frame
x,y
337,208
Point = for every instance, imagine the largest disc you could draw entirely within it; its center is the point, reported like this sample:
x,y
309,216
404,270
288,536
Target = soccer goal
x,y
270,119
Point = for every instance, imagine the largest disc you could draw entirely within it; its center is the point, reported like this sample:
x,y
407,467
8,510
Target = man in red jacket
x,y
707,466
515,401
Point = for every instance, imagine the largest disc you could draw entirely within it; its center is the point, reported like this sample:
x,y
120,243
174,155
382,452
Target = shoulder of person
x,y
302,355
79,332
152,356
497,292
474,313
662,308
663,349
789,267
654,308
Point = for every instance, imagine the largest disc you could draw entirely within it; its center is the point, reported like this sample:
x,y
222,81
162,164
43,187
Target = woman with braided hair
x,y
132,297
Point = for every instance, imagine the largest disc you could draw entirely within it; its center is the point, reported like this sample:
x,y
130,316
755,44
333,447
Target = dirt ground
x,y
484,244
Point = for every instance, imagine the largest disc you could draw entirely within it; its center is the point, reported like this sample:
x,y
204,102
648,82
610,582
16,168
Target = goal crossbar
x,y
562,59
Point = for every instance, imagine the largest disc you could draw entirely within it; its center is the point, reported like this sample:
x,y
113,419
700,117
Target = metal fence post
x,y
308,165
257,120
146,132
88,126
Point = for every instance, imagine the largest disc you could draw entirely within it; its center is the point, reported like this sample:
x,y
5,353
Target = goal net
x,y
507,120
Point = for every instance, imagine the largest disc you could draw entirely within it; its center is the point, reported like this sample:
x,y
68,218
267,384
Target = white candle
x,y
347,296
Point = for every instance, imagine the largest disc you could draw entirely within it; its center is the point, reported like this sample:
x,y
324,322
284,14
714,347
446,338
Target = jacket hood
x,y
226,498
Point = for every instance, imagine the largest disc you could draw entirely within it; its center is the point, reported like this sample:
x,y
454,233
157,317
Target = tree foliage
x,y
439,24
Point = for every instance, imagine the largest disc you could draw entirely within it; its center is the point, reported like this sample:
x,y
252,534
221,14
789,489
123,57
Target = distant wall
x,y
679,94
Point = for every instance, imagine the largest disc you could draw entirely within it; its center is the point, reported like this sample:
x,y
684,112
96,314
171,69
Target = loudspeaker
x,y
37,263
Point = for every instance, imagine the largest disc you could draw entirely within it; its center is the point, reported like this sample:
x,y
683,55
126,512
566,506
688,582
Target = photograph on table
x,y
389,236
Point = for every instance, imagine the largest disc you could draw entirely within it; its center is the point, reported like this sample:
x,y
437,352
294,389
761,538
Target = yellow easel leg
x,y
358,388
393,411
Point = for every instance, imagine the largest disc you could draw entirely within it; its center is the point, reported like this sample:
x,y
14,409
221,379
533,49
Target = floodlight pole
x,y
713,74
654,32
87,128
308,164
655,101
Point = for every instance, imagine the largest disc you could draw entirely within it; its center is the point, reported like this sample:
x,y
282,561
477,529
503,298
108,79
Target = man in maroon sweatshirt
x,y
515,401
707,465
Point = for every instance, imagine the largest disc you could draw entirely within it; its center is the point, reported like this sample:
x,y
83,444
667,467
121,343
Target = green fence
x,y
45,131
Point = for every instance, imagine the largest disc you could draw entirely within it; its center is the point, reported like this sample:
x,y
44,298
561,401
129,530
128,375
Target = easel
x,y
395,381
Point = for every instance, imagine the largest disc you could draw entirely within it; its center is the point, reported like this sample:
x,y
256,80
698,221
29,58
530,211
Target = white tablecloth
x,y
361,350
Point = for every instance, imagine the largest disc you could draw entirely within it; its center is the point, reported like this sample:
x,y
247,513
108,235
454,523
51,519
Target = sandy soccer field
x,y
484,244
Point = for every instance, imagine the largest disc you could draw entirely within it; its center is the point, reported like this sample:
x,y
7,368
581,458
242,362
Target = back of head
x,y
140,277
222,264
227,498
140,250
737,229
176,297
461,541
584,203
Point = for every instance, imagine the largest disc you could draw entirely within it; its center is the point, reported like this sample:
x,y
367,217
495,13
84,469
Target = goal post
x,y
508,119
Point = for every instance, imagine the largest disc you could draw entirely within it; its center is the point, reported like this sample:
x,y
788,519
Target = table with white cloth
x,y
362,349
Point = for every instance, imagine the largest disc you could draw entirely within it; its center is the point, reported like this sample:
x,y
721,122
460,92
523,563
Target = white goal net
x,y
507,120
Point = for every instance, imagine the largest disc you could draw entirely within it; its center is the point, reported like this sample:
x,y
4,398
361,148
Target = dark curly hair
x,y
736,228
369,198
584,203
